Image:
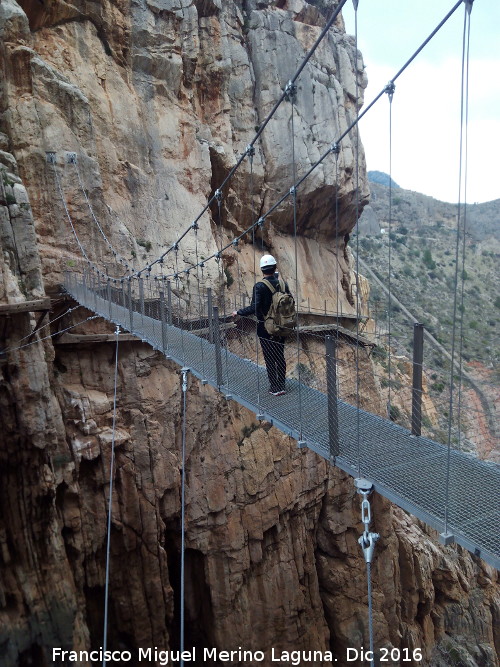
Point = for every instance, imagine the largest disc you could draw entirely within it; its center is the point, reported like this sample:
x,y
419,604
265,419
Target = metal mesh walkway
x,y
409,471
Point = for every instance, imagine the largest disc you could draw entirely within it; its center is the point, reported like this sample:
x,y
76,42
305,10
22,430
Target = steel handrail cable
x,y
463,92
92,213
56,333
66,312
70,220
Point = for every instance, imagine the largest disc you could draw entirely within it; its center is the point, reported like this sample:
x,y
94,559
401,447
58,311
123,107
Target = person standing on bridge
x,y
273,346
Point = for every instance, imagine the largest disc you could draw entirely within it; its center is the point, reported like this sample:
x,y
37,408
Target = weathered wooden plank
x,y
83,339
25,306
203,332
324,328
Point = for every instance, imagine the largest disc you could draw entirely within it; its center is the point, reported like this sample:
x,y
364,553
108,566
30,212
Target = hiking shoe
x,y
277,393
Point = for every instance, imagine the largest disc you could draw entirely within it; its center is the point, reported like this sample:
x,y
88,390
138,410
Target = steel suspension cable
x,y
390,91
260,129
405,66
263,125
337,290
199,298
462,298
358,416
332,147
183,511
110,506
296,256
321,159
370,609
465,56
358,315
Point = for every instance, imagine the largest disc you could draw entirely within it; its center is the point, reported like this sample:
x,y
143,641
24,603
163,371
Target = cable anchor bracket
x,y
389,89
335,148
468,5
290,92
50,157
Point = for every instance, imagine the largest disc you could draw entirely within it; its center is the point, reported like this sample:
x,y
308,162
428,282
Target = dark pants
x,y
273,348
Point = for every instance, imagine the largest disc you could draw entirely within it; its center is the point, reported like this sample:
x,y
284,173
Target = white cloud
x,y
426,128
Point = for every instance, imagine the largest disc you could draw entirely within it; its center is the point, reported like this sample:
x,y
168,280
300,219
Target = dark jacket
x,y
261,298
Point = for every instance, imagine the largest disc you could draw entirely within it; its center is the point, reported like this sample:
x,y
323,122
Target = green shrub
x,y
394,413
229,277
147,245
427,259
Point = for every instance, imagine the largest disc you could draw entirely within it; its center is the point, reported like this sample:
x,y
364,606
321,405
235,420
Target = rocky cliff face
x,y
158,99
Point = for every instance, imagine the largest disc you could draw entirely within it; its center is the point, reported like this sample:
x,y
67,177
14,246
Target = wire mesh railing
x,y
363,425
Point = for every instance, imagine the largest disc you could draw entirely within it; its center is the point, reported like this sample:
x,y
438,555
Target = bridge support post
x,y
108,295
94,290
416,393
164,334
331,392
169,303
210,315
218,355
84,284
130,308
141,296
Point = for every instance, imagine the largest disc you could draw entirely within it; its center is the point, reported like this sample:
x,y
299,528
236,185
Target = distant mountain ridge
x,y
381,178
413,209
423,240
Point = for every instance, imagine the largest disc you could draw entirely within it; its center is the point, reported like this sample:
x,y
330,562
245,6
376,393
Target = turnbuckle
x,y
184,372
368,539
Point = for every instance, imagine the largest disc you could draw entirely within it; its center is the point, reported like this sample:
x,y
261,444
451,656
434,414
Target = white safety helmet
x,y
266,261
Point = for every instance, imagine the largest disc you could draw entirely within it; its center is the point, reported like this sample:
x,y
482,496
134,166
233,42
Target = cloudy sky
x,y
426,104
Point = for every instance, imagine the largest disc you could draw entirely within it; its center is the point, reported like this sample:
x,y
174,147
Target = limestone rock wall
x,y
158,99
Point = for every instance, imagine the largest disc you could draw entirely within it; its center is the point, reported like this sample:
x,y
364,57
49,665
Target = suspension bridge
x,y
451,490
